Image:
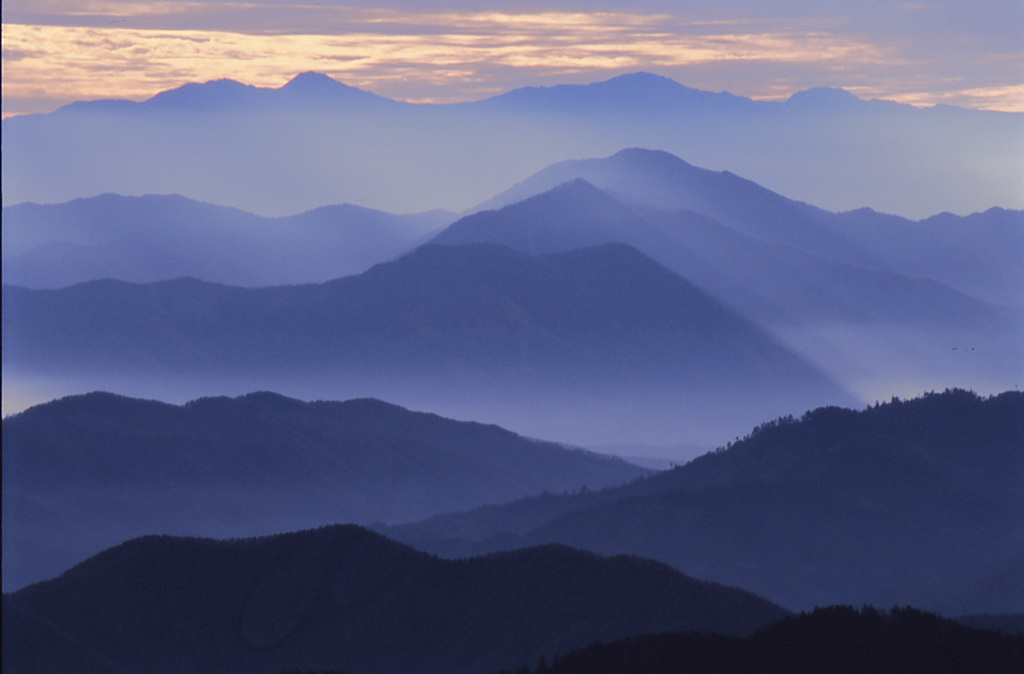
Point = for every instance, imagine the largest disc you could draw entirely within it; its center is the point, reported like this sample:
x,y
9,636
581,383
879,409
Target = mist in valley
x,y
257,315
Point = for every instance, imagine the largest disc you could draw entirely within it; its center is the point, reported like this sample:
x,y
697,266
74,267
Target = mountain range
x,y
917,498
595,344
694,203
876,303
316,141
343,598
915,502
84,473
872,299
631,300
157,238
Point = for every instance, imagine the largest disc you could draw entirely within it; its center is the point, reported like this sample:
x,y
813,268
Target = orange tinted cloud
x,y
107,49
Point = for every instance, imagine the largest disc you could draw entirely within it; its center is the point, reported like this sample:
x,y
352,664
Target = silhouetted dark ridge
x,y
833,639
1006,623
910,502
85,472
343,598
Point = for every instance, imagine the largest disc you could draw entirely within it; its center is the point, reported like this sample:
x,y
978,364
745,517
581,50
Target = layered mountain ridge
x,y
913,502
343,597
157,238
597,342
225,142
86,472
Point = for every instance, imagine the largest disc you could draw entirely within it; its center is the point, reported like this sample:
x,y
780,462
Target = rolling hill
x,y
343,598
913,502
87,472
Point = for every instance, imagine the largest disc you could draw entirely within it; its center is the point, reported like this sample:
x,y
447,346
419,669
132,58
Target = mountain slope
x,y
342,598
572,215
776,278
915,502
157,238
977,254
86,472
593,343
661,180
873,300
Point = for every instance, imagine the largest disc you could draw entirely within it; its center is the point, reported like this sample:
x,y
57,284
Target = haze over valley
x,y
629,300
310,379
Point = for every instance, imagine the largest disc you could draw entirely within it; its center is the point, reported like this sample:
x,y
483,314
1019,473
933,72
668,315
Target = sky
x,y
968,53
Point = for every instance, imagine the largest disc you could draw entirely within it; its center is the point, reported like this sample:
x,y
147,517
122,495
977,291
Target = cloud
x,y
108,48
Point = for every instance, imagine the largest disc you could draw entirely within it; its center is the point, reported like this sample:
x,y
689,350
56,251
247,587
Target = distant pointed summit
x,y
321,89
573,214
311,80
824,97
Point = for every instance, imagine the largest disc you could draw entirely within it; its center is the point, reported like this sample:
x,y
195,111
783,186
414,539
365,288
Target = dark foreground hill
x,y
916,502
86,472
343,598
598,344
836,639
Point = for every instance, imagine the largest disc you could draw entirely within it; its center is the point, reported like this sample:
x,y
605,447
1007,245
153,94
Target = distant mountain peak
x,y
644,78
309,79
315,87
824,96
652,158
576,186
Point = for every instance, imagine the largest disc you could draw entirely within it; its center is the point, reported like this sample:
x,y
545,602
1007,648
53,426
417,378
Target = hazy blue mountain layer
x,y
774,281
916,502
978,254
316,141
876,301
158,238
593,344
86,472
344,599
